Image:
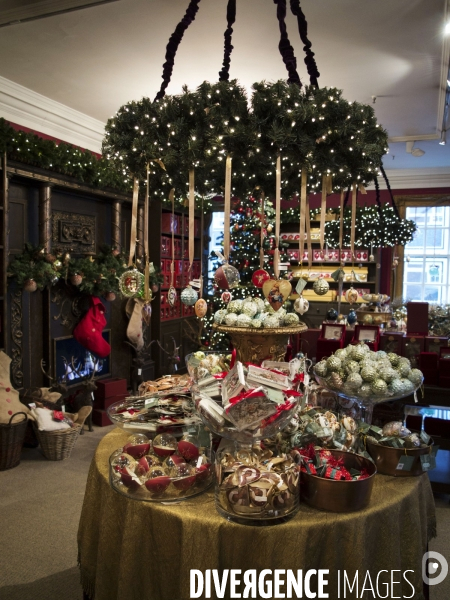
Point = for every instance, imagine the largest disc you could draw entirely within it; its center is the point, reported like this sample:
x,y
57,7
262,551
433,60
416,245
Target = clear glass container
x,y
176,464
253,488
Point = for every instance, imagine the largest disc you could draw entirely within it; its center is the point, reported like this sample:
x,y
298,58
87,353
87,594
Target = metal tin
x,y
387,458
339,496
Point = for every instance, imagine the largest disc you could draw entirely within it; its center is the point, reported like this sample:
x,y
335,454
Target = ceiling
x,y
97,58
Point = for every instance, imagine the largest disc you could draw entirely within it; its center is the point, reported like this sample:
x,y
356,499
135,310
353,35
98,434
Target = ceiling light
x,y
417,152
447,29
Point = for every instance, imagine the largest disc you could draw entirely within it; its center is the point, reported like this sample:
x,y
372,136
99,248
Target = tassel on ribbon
x,y
134,214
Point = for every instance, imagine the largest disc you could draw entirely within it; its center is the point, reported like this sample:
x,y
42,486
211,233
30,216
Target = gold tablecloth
x,y
130,550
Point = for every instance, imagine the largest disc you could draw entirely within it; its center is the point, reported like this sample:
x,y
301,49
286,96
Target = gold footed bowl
x,y
256,345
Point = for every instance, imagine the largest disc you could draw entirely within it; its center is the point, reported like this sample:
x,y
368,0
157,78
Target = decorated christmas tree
x,y
247,219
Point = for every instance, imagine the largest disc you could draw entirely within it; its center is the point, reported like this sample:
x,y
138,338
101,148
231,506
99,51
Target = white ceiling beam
x,y
30,11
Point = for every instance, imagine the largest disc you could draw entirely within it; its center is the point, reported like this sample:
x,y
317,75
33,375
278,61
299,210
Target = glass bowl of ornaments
x,y
260,419
255,485
358,373
154,413
208,365
165,469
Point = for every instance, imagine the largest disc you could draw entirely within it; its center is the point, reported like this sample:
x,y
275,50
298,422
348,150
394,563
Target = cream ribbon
x,y
172,200
147,294
261,243
341,225
308,234
226,207
276,254
323,208
202,225
353,226
134,213
191,218
301,243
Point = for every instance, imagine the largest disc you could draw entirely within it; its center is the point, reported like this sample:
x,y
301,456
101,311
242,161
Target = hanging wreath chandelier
x,y
300,128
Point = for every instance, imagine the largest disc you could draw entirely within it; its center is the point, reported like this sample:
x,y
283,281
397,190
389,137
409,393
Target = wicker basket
x,y
57,445
11,441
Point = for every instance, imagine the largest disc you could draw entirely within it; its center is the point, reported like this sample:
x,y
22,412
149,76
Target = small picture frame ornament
x,y
131,283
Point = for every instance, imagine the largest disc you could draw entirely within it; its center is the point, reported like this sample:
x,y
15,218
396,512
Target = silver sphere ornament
x,y
189,296
301,305
321,286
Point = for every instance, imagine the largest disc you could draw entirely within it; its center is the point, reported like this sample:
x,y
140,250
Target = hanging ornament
x,y
201,308
131,283
110,296
226,297
269,228
189,296
259,277
155,288
172,296
321,286
30,285
226,277
351,295
276,291
352,317
57,264
301,305
76,279
332,314
146,313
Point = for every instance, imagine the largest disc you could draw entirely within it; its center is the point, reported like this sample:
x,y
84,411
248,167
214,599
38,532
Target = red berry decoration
x,y
259,277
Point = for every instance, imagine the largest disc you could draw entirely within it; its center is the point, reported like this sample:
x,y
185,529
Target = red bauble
x,y
226,277
259,277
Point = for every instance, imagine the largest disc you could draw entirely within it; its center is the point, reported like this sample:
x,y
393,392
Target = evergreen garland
x,y
374,226
99,274
62,158
311,128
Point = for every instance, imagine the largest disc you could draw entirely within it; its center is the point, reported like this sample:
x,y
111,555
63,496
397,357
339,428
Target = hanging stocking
x,y
88,332
134,329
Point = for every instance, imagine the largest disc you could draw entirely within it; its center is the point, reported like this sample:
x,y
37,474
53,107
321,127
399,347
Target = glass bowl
x,y
362,400
210,364
155,413
267,429
164,481
250,490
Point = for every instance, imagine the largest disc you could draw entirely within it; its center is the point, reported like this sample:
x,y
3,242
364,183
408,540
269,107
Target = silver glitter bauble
x,y
189,296
321,286
369,374
333,363
415,376
290,319
404,369
235,306
353,382
379,387
259,304
321,368
387,373
408,386
249,309
230,319
243,320
351,366
396,387
365,391
394,358
219,316
256,323
341,353
271,321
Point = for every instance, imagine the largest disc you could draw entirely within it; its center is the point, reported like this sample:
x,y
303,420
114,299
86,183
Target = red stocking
x,y
88,332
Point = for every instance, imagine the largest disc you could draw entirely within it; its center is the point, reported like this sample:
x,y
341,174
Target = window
x,y
426,274
216,235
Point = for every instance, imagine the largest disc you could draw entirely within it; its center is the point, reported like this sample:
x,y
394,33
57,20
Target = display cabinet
x,y
174,327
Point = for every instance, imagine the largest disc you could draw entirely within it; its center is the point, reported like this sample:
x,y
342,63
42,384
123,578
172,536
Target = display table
x,y
136,550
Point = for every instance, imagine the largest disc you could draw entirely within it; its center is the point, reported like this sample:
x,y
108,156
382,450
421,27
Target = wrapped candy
x,y
395,428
